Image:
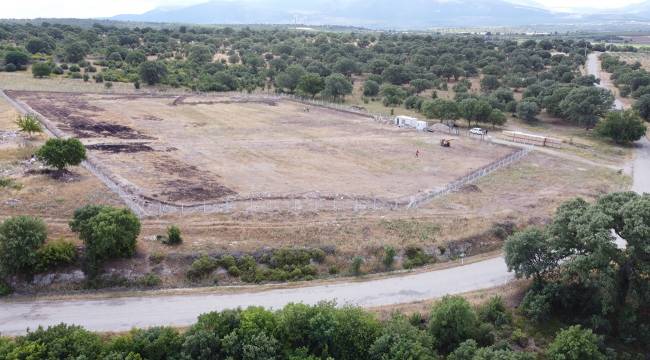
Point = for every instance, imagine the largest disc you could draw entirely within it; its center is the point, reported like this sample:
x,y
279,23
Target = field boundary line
x,y
470,178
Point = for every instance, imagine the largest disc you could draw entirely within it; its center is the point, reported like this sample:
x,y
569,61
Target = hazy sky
x,y
107,8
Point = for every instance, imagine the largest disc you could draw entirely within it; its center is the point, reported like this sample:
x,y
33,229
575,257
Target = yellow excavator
x,y
445,142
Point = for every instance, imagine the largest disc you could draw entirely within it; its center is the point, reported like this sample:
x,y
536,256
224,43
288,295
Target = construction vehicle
x,y
445,142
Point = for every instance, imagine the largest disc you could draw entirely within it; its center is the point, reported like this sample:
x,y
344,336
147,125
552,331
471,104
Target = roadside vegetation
x,y
453,330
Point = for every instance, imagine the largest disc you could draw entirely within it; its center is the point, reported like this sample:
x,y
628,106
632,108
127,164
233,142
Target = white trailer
x,y
408,121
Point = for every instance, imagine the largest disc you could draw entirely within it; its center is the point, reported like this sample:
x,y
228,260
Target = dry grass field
x,y
190,150
33,191
631,57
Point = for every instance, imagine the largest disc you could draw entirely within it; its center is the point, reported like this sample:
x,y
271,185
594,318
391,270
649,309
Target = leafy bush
x,y
415,257
173,236
41,69
575,343
60,153
107,233
355,267
370,88
202,267
54,254
64,342
451,322
233,270
494,312
17,59
621,126
389,257
149,280
29,123
20,239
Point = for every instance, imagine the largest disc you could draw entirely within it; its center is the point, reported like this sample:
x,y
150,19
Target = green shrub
x,y
60,153
29,123
108,85
318,255
355,267
202,267
389,257
74,68
227,261
575,343
10,68
41,69
55,254
5,289
64,342
107,232
415,257
10,183
333,270
519,338
536,306
247,263
20,239
234,271
149,280
622,127
452,321
173,236
494,311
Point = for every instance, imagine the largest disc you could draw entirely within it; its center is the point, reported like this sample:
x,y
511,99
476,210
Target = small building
x,y
408,121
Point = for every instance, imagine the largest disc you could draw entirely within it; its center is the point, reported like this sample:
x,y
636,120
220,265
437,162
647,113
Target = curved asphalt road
x,y
119,314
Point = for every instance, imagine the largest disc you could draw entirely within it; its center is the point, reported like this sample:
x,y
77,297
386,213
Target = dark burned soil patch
x,y
190,184
120,148
76,115
188,190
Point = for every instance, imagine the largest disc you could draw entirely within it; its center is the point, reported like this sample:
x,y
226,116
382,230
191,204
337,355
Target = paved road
x,y
641,172
593,68
124,313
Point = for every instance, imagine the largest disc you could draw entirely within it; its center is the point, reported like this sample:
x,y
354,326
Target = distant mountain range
x,y
385,14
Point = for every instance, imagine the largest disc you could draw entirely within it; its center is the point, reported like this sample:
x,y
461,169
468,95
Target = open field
x,y
194,150
35,191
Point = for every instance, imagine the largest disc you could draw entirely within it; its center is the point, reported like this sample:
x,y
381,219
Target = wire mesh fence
x,y
270,202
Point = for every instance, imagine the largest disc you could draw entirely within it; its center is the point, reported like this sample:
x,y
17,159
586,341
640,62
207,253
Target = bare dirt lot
x,y
190,150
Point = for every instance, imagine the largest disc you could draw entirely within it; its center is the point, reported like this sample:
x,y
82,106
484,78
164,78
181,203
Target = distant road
x,y
593,68
641,172
121,314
